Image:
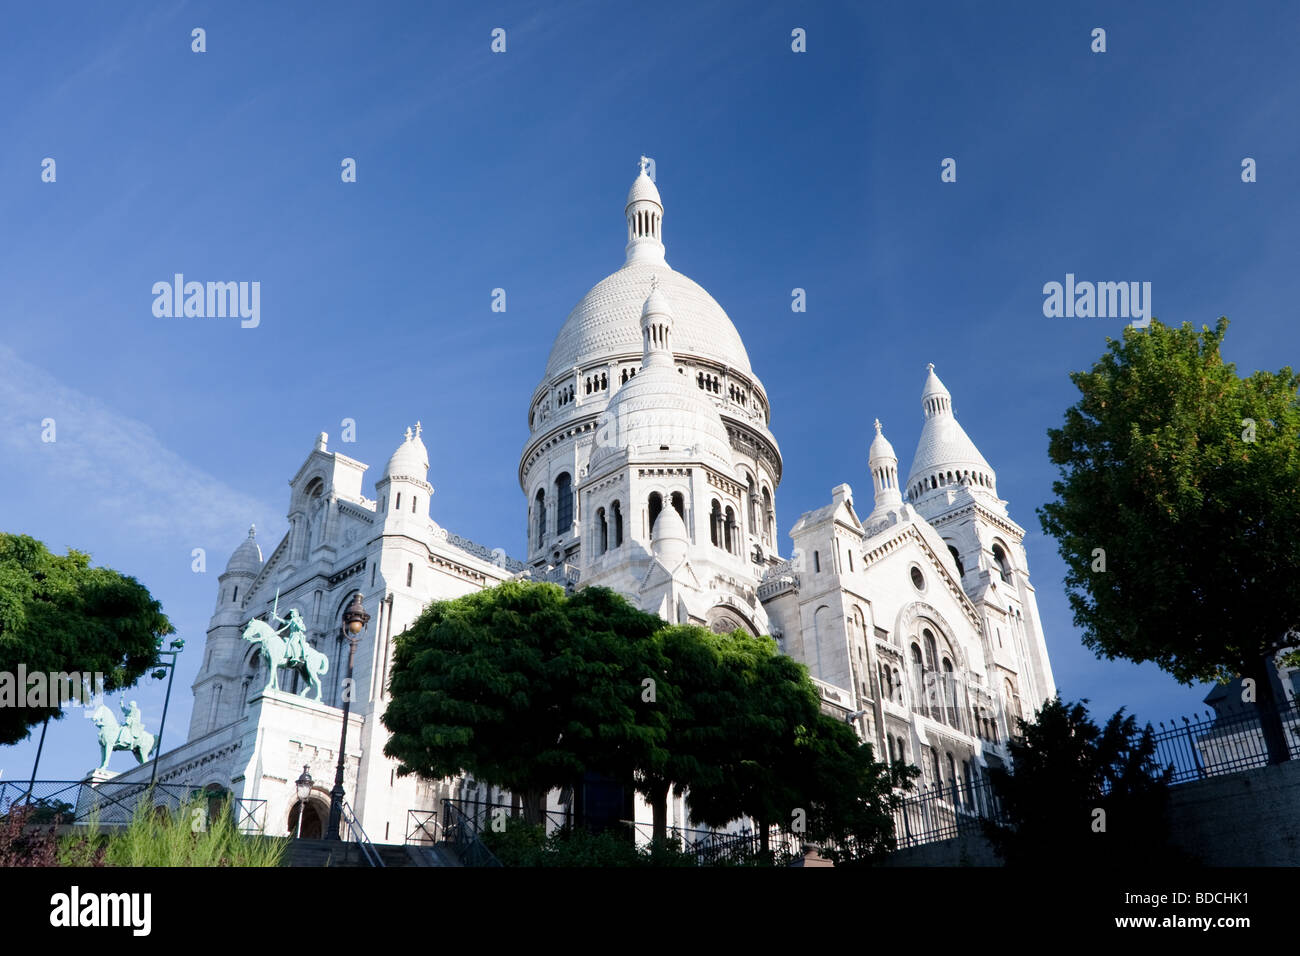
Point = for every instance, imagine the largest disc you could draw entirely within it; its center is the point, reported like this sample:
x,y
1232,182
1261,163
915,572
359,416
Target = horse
x,y
273,649
111,738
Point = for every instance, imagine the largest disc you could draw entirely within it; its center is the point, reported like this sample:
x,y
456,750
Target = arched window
x,y
1000,559
767,516
892,756
1013,707
398,505
918,680
563,504
236,597
936,776
679,504
414,501
961,570
950,715
732,533
656,505
952,775
602,532
617,512
539,517
715,523
410,574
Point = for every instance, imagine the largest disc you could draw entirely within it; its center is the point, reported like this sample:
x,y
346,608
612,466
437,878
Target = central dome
x,y
605,323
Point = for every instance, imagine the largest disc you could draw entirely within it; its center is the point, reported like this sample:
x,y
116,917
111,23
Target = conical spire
x,y
645,212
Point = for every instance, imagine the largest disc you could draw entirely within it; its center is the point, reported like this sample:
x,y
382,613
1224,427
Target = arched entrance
x,y
315,813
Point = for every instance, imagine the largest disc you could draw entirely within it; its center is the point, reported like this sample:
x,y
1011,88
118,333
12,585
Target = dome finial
x,y
408,433
644,163
877,426
418,429
252,531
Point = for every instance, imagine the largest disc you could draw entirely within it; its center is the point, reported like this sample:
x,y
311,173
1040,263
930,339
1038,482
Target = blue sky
x,y
479,170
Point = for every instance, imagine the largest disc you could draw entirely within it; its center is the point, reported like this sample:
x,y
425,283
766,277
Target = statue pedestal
x,y
96,777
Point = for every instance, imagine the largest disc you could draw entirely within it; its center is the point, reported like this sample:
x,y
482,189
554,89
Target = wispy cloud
x,y
116,464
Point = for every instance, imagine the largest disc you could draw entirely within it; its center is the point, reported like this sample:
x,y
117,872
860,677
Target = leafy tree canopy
x,y
60,615
1177,512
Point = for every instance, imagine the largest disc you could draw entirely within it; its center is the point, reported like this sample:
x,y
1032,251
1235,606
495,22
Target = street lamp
x,y
355,619
168,668
303,783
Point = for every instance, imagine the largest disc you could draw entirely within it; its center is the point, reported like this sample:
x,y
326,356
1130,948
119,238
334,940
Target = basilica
x,y
650,468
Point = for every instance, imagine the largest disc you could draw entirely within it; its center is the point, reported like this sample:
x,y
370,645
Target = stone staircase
x,y
332,853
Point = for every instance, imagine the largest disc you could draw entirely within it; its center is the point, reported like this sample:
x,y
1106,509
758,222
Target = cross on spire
x,y
644,164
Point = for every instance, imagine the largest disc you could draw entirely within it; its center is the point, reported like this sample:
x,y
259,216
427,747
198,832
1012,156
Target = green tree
x,y
1081,794
767,751
59,615
850,797
1177,512
521,687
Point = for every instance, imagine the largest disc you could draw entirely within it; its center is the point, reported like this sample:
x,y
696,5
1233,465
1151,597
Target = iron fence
x,y
422,827
1198,749
724,847
1213,746
942,813
114,804
461,832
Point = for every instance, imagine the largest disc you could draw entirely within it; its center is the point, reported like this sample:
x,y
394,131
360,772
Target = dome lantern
x,y
883,464
645,212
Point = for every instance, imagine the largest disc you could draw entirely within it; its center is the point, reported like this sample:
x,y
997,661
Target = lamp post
x,y
303,783
355,619
169,667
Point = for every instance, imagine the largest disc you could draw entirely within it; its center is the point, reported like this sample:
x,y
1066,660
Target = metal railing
x,y
1217,745
422,827
114,804
723,847
353,833
461,832
942,813
1203,748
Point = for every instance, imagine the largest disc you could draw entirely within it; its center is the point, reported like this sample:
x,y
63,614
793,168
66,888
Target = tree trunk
x,y
659,806
534,806
1270,721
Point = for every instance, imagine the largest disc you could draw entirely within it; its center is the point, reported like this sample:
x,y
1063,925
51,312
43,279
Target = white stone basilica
x,y
650,468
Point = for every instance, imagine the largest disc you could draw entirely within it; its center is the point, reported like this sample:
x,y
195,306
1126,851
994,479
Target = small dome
x,y
658,409
657,303
944,447
668,538
881,449
248,556
411,460
643,188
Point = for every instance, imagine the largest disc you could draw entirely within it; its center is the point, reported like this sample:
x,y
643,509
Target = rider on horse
x,y
295,644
